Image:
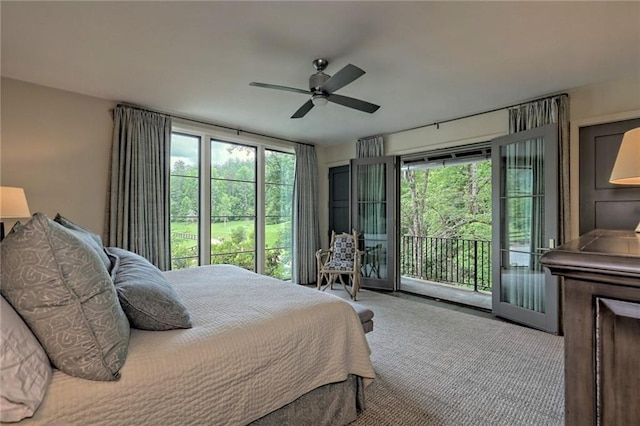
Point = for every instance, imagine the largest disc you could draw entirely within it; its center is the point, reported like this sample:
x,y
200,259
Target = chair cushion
x,y
343,248
339,265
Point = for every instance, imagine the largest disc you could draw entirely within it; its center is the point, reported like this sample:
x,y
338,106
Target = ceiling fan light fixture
x,y
319,99
323,86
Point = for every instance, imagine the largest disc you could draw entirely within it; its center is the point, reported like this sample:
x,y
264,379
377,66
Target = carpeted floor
x,y
437,365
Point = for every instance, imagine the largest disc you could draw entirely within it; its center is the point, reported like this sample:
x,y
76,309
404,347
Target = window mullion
x,y
260,212
205,201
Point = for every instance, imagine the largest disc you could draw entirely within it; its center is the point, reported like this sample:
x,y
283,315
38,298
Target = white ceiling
x,y
424,61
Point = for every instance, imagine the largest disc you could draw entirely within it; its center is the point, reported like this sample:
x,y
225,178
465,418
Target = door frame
x,y
392,222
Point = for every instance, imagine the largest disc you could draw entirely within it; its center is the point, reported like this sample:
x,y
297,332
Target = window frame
x,y
199,183
207,134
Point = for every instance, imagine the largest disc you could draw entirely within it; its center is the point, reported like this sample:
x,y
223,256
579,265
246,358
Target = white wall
x,y
594,104
56,145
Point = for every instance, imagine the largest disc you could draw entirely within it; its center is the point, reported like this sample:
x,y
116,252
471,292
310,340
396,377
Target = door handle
x,y
552,245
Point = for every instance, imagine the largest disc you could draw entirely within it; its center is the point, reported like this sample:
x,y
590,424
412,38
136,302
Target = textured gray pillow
x,y
145,294
25,371
61,289
93,240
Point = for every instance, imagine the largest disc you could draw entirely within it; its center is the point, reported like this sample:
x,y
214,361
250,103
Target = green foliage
x,y
452,206
456,202
238,235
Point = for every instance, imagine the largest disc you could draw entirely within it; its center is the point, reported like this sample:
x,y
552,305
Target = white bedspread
x,y
256,344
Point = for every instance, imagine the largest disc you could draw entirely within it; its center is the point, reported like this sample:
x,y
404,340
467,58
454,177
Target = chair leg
x,y
352,281
356,286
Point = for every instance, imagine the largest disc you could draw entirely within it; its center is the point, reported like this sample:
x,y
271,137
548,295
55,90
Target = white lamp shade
x,y
13,203
626,170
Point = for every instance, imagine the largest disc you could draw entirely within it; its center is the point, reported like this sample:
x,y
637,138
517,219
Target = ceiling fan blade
x,y
343,77
275,86
303,110
353,103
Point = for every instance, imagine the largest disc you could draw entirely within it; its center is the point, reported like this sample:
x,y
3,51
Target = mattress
x,y
257,344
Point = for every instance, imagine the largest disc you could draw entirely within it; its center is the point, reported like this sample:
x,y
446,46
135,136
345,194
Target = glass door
x,y
373,216
525,226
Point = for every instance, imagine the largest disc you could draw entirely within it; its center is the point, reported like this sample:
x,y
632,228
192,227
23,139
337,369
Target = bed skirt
x,y
332,404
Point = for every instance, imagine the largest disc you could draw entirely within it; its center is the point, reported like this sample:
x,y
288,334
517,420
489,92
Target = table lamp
x,y
626,170
13,205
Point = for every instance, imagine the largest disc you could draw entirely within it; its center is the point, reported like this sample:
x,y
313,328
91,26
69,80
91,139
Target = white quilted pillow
x,y
25,370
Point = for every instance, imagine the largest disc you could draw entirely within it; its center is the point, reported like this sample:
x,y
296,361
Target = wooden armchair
x,y
342,258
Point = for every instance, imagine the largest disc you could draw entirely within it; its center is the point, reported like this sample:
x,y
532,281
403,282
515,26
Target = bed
x,y
260,350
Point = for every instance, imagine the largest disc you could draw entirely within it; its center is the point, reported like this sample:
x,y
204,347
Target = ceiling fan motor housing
x,y
316,81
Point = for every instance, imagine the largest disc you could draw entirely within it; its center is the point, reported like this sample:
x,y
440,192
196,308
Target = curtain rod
x,y
438,123
193,120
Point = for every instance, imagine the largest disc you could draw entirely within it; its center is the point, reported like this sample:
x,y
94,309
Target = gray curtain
x,y
372,146
540,113
138,204
527,289
306,234
371,189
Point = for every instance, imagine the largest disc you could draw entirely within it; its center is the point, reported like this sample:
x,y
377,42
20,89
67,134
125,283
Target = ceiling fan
x,y
323,86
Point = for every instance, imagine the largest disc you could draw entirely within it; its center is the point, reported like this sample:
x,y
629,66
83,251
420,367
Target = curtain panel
x,y
306,231
528,291
372,146
371,188
540,113
138,204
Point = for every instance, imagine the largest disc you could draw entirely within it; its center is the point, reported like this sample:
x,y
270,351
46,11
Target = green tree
x,y
450,203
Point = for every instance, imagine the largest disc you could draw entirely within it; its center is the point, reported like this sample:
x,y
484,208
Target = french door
x,y
525,218
373,215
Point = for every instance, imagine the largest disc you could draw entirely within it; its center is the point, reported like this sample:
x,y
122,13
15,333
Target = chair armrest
x,y
322,253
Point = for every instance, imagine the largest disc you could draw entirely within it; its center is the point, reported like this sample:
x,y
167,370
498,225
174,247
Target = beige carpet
x,y
440,366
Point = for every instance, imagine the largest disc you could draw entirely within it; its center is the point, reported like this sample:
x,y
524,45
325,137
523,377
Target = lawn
x,y
221,231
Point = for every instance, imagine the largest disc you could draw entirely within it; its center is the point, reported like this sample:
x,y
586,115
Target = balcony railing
x,y
461,262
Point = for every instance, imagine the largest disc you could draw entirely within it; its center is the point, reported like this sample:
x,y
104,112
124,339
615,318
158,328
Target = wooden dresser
x,y
601,326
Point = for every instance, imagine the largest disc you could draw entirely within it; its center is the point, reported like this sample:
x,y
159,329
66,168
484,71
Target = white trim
x,y
260,211
448,144
205,200
231,136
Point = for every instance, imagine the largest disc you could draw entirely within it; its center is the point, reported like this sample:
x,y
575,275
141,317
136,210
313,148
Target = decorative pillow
x,y
61,289
93,240
145,294
15,227
25,371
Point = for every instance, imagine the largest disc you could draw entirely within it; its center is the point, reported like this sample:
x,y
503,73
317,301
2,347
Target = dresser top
x,y
606,241
602,251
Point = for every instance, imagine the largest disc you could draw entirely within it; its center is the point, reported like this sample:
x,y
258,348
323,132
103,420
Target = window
x,y
231,202
184,198
279,174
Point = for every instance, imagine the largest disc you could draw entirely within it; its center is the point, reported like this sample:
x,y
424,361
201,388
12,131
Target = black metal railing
x,y
460,262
